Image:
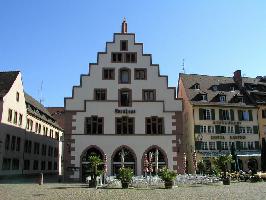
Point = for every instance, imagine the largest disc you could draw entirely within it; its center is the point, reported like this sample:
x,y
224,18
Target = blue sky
x,y
54,40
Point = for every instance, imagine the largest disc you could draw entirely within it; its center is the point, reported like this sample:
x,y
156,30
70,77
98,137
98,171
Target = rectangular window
x,y
206,114
43,165
55,152
18,144
125,98
203,129
117,58
140,74
15,120
212,145
154,125
36,127
17,96
94,125
49,165
149,95
13,143
55,165
124,76
204,146
242,129
123,45
249,129
9,115
44,150
224,145
51,133
210,129
222,98
251,145
50,151
26,164
36,148
223,129
224,115
15,164
6,164
20,119
263,114
100,94
56,135
108,74
35,165
40,128
27,146
7,142
28,124
245,115
130,57
125,125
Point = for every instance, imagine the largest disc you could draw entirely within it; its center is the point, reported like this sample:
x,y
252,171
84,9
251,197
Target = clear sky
x,y
54,40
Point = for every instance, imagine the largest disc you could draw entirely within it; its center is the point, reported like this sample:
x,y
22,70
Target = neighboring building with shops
x,y
29,135
122,105
218,113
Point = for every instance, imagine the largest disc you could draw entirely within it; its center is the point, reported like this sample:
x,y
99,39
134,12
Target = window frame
x,y
136,70
101,90
149,121
122,118
120,91
149,90
92,123
121,45
120,75
111,73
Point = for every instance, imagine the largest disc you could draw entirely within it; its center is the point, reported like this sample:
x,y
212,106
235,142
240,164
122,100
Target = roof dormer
x,y
196,86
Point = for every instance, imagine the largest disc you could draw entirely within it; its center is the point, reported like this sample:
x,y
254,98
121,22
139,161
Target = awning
x,y
249,155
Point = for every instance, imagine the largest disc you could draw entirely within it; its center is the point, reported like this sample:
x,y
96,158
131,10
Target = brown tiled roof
x,y
6,81
224,87
37,109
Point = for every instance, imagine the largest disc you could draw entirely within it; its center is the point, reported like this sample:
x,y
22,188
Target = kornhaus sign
x,y
125,111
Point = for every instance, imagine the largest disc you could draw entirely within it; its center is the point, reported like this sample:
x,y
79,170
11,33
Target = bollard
x,y
41,179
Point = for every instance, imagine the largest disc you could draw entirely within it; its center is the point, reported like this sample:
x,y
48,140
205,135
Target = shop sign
x,y
125,111
226,123
237,137
217,137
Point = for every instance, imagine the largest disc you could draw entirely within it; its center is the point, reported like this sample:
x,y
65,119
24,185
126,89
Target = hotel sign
x,y
232,137
237,137
217,137
125,111
226,123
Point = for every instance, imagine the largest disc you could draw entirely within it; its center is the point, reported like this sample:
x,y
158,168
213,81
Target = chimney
x,y
238,78
124,26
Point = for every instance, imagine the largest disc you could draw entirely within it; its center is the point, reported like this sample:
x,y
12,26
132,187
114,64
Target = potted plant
x,y
125,176
201,167
168,177
94,162
221,163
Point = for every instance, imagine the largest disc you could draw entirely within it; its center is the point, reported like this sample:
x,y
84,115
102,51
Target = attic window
x,y
215,88
123,45
232,88
222,98
241,99
196,86
204,97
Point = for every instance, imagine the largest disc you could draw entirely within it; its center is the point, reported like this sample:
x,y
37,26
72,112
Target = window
x,y
50,151
249,129
51,133
245,115
196,86
206,114
44,150
224,145
124,75
40,128
203,129
263,113
204,146
15,120
13,143
36,148
29,124
212,145
15,164
18,144
243,145
154,125
100,94
123,45
55,152
9,115
210,129
94,125
223,129
35,165
130,57
222,98
7,142
230,129
49,165
43,165
6,164
140,74
56,135
224,114
26,164
117,58
125,98
149,95
20,119
108,74
251,145
27,146
204,97
55,165
241,99
242,129
125,125
17,96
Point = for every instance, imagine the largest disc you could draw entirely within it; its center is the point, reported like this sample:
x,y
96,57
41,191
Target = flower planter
x,y
168,184
125,185
226,181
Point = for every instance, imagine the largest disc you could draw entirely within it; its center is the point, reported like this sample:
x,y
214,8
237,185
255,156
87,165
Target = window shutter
x,y
220,114
255,130
201,114
198,145
217,129
257,145
232,115
239,115
213,114
197,129
238,145
250,115
219,145
237,131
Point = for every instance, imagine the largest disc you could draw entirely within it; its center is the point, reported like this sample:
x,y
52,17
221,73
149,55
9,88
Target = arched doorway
x,y
123,156
156,153
85,164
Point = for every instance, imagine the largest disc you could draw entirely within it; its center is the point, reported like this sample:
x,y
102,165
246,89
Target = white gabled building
x,y
123,104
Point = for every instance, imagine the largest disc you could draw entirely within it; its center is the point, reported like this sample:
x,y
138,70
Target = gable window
x,y
140,74
222,98
196,86
125,125
100,94
123,45
94,125
154,125
17,96
108,74
124,75
131,57
9,115
149,95
125,99
117,57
